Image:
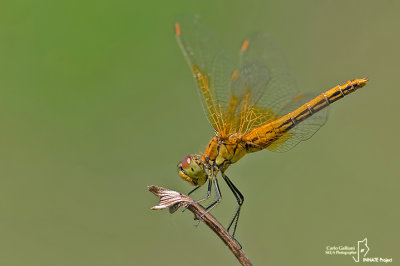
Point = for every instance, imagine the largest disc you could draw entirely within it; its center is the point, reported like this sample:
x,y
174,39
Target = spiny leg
x,y
218,193
239,198
205,198
212,205
193,190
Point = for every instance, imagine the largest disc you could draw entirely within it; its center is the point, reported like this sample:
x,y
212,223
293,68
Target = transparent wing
x,y
304,130
261,87
267,91
262,83
209,64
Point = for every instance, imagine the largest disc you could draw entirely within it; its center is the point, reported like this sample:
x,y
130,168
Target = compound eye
x,y
186,162
191,170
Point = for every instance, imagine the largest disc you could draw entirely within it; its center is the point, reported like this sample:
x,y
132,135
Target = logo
x,y
358,252
362,248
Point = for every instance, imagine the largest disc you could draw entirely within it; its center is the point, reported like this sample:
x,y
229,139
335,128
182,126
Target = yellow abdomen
x,y
278,131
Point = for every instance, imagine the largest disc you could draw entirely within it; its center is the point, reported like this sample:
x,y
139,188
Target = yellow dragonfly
x,y
252,104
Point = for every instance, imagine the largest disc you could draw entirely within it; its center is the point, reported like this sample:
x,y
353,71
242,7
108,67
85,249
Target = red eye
x,y
186,161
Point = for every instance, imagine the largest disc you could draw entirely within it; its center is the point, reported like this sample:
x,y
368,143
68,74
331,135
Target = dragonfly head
x,y
192,169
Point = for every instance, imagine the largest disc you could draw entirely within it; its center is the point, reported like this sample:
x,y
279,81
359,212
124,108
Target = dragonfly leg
x,y
215,203
193,190
218,193
239,198
200,200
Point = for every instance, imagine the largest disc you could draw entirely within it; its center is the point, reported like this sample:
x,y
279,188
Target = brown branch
x,y
173,200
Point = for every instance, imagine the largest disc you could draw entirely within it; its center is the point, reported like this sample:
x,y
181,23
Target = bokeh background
x,y
97,102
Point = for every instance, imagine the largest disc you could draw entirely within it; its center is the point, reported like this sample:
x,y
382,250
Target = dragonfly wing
x,y
262,83
209,64
304,130
247,86
263,74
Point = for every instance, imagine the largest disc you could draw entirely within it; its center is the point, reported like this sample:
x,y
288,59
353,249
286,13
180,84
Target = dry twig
x,y
173,200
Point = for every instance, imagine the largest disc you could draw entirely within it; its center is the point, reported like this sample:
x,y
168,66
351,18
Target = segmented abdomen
x,y
277,132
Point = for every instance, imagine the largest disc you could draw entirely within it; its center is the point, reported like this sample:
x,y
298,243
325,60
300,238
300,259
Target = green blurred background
x,y
97,102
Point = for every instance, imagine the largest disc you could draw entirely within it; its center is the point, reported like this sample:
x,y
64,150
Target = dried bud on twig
x,y
173,200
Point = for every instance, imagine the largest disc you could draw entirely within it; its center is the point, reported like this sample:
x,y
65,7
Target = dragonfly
x,y
252,103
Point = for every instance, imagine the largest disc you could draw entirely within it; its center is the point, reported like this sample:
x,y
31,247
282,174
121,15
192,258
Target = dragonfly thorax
x,y
224,152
